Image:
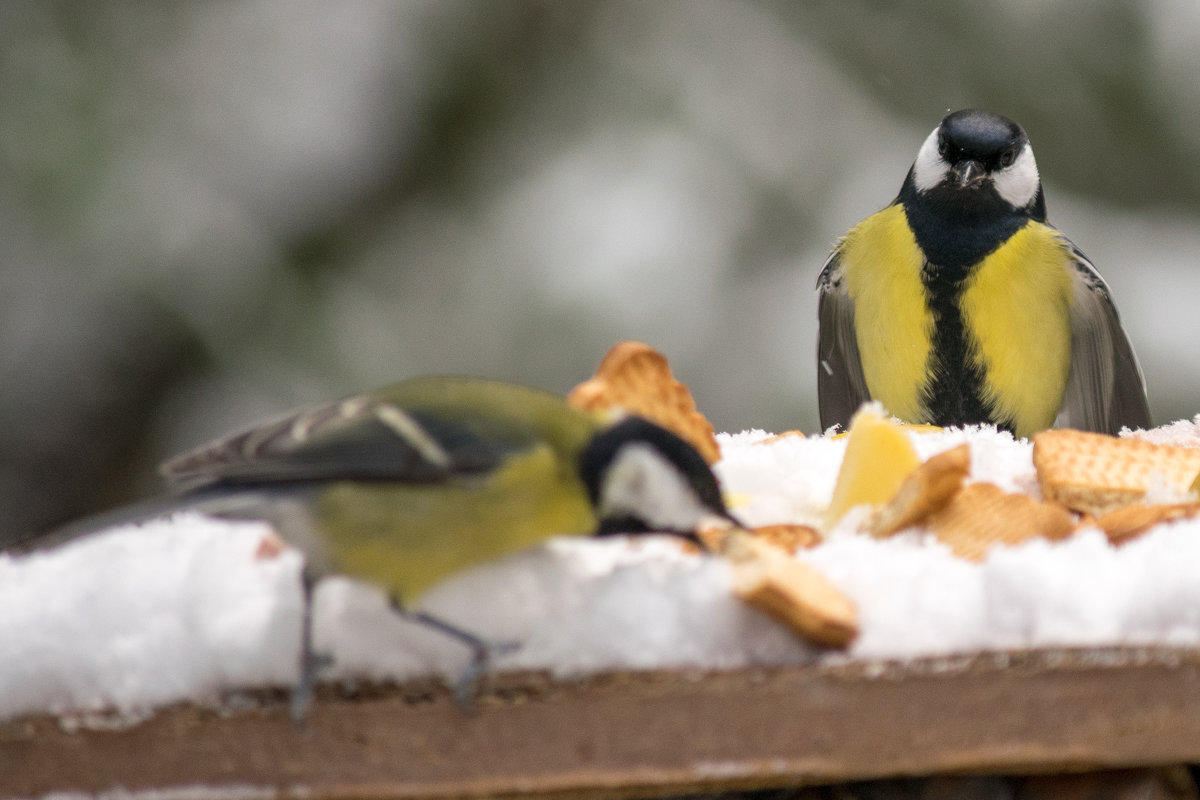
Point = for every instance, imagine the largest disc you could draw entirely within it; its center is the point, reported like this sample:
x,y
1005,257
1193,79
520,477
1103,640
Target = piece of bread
x,y
983,515
1095,473
785,536
778,436
1133,520
788,537
636,377
789,590
927,489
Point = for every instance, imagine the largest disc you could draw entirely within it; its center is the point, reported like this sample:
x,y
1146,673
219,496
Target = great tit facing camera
x,y
407,484
959,304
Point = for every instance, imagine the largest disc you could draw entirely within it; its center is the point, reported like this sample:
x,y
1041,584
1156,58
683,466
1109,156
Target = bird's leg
x,y
482,651
311,662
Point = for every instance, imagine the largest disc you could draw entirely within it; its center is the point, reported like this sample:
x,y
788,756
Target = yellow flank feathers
x,y
1016,305
881,264
442,528
879,456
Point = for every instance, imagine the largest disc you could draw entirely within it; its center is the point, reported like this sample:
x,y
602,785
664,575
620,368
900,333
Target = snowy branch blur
x,y
213,212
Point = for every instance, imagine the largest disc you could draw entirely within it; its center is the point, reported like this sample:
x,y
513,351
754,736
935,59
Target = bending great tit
x,y
409,483
959,304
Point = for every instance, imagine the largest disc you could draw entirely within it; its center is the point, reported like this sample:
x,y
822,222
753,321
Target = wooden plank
x,y
640,734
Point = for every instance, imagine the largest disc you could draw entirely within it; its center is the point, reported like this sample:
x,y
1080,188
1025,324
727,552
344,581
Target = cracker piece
x,y
778,436
785,536
983,515
927,489
788,537
790,591
1128,523
1096,473
637,378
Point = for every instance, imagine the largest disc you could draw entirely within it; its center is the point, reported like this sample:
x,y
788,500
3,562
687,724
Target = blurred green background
x,y
212,212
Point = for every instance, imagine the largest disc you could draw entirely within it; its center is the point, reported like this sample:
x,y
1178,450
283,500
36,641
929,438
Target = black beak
x,y
967,173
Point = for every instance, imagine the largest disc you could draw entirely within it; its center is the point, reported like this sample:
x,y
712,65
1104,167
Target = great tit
x,y
959,304
406,484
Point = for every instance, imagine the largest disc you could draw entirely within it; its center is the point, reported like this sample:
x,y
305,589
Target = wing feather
x,y
1105,389
395,434
841,386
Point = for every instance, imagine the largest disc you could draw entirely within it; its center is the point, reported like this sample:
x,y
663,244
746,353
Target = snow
x,y
1182,433
139,617
195,609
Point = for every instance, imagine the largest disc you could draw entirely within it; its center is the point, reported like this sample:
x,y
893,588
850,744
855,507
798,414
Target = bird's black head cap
x,y
635,500
973,134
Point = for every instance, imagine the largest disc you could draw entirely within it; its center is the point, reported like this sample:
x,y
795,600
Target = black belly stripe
x,y
956,231
954,391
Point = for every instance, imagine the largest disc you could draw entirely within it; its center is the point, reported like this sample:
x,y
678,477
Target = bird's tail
x,y
216,501
143,511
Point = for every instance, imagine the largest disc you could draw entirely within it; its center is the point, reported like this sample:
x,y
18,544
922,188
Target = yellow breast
x,y
1016,307
881,265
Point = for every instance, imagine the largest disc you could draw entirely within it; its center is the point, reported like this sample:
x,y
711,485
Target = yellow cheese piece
x,y
878,458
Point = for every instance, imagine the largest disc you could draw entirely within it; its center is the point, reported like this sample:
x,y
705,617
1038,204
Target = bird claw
x,y
466,686
311,664
482,652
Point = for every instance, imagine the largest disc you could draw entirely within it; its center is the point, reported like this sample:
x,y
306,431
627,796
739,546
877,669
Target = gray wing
x,y
363,438
1105,388
841,387
394,434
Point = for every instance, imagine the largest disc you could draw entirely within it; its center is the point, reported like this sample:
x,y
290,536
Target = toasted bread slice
x,y
926,490
790,591
636,377
983,515
1133,520
1095,473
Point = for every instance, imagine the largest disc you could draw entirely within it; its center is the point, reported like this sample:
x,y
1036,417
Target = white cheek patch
x,y
1018,184
642,484
930,168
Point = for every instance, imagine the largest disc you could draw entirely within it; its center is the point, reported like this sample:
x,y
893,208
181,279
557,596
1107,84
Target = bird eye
x,y
1008,157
